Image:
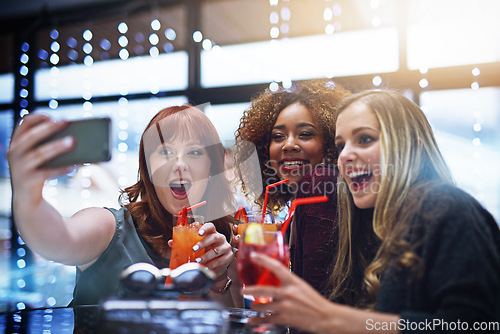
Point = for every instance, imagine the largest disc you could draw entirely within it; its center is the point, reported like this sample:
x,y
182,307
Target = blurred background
x,y
127,59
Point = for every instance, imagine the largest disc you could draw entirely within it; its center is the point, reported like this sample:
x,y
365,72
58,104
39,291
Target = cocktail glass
x,y
184,238
251,273
256,217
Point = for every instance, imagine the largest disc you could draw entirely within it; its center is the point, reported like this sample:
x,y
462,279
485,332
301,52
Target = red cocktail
x,y
269,243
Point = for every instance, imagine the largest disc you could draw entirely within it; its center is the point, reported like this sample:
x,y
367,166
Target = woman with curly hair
x,y
437,268
292,132
181,163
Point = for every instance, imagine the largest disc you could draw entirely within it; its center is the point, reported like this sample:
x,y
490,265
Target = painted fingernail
x,y
198,260
237,237
201,232
196,248
67,141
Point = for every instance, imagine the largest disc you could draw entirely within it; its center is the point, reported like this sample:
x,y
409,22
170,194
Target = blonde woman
x,y
437,268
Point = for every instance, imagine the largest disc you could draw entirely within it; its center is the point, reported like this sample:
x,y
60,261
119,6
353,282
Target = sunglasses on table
x,y
145,280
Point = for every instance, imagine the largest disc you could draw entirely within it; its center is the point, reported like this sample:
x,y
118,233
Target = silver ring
x,y
216,251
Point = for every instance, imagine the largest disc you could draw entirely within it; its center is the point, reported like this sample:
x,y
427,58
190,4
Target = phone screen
x,y
92,142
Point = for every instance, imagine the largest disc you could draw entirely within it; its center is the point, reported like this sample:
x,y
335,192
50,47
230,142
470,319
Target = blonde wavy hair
x,y
410,158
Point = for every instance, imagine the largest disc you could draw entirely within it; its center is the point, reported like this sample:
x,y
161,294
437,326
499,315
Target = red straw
x,y
300,201
182,216
267,194
196,205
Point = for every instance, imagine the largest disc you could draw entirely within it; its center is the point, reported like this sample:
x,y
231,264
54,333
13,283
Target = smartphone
x,y
92,142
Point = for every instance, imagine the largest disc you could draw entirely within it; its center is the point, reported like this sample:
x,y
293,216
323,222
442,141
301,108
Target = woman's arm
x,y
220,258
459,246
228,289
298,305
77,240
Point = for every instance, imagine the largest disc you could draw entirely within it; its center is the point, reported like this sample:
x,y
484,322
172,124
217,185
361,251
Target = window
x,y
466,126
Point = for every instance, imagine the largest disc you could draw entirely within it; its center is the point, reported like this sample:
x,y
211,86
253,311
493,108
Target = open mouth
x,y
359,179
180,188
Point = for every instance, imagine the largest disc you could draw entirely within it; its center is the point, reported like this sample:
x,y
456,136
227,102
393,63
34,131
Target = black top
x,y
127,247
459,242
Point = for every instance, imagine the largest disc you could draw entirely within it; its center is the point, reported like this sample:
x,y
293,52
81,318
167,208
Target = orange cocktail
x,y
246,218
184,238
242,227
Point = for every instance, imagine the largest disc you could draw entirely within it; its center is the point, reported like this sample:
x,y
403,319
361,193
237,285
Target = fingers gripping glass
x,y
146,280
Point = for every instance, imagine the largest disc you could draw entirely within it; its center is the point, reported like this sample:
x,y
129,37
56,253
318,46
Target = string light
x,y
285,17
155,25
477,127
122,41
330,15
122,29
170,34
87,48
54,70
273,86
72,43
154,39
377,80
139,38
423,83
475,73
123,54
376,20
274,18
207,44
154,52
279,18
87,35
197,36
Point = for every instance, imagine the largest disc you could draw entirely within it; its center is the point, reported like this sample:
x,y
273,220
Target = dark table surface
x,y
174,317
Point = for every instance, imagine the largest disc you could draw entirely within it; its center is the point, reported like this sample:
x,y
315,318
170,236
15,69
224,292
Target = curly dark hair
x,y
320,96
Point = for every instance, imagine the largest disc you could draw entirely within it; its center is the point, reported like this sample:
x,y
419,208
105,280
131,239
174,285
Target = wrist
x,y
222,284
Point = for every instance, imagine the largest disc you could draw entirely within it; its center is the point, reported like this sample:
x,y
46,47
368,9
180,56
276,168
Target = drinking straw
x,y
267,194
300,201
182,216
196,205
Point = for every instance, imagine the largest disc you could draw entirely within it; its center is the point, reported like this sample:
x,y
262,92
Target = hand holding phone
x,y
92,142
